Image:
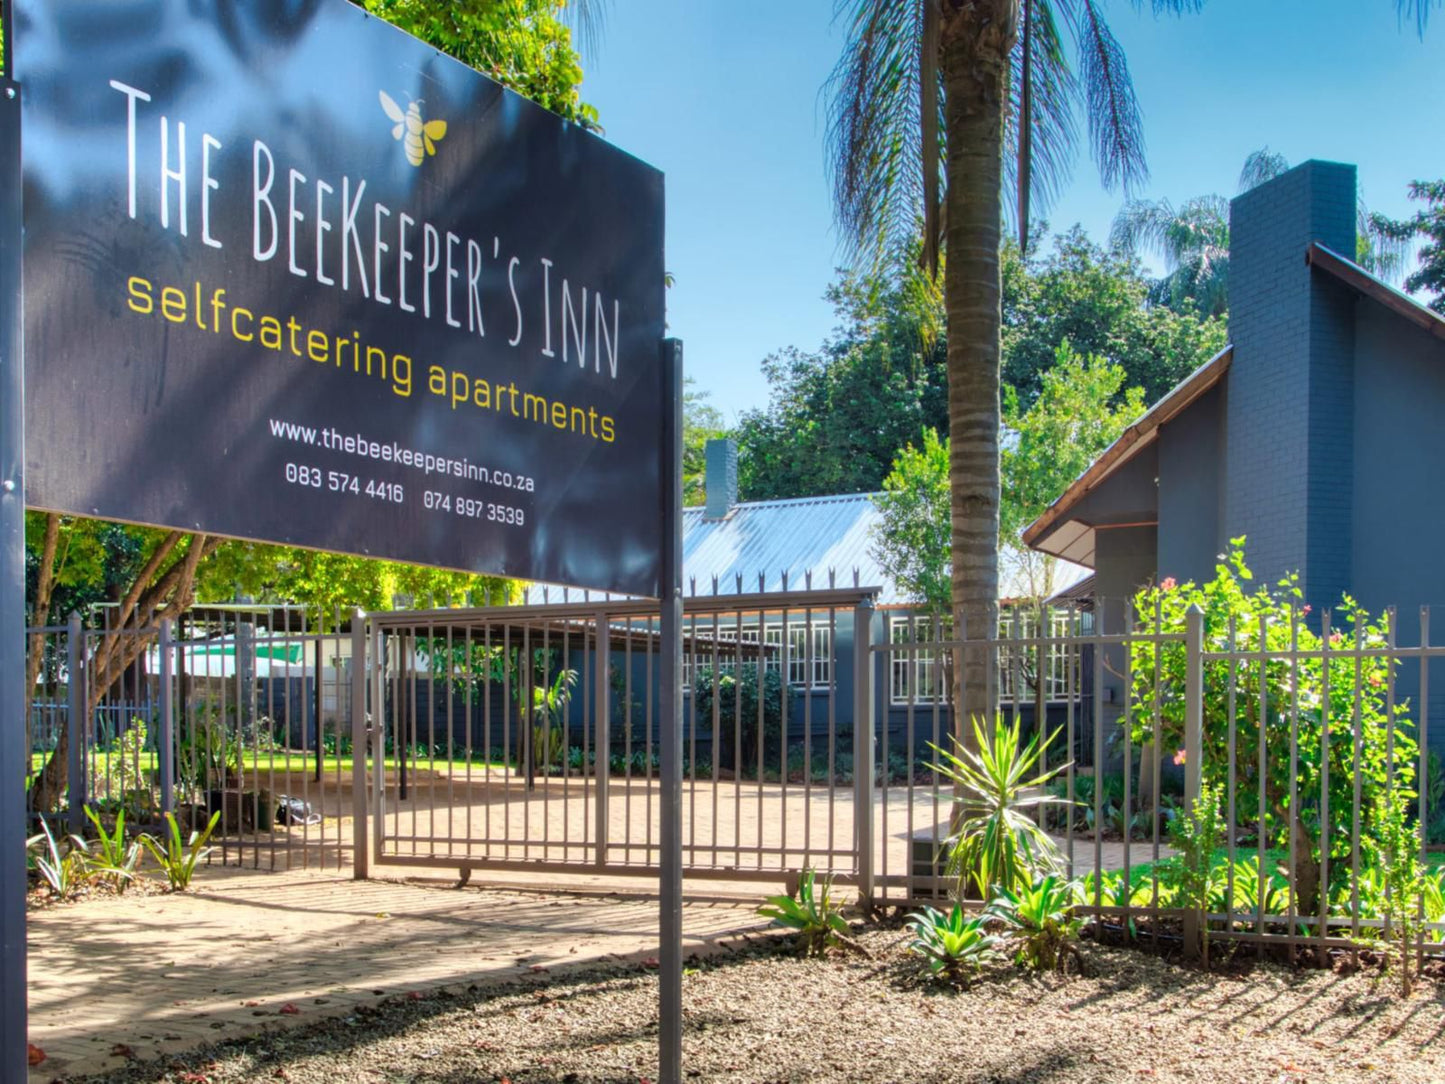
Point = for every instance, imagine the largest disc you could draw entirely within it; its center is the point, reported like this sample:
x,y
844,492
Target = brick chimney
x,y
1291,384
721,478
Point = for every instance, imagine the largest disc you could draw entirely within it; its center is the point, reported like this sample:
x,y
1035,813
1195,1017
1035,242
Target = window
x,y
809,664
1019,661
915,676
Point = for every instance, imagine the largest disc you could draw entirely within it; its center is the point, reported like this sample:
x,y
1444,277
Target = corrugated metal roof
x,y
796,536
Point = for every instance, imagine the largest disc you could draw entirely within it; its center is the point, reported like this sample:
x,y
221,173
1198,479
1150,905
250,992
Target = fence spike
x,y
808,579
856,582
832,576
692,586
762,582
785,580
739,577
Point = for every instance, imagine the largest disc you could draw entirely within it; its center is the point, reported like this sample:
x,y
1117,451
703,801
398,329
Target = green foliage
x,y
812,914
1395,850
837,416
953,944
63,872
1097,302
112,856
549,718
1196,836
1427,227
177,859
701,422
995,843
132,781
736,693
522,44
913,535
1081,408
1040,921
1290,692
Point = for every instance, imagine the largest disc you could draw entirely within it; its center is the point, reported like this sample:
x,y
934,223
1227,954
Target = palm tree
x,y
1193,239
920,107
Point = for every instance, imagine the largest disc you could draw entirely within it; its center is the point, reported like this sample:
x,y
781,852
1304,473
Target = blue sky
x,y
725,98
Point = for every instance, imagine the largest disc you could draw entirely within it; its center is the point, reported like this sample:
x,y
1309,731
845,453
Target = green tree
x,y
1194,240
838,416
1098,301
911,539
701,422
523,44
1427,226
921,103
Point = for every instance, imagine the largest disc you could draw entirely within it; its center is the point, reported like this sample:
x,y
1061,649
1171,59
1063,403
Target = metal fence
x,y
526,739
1311,733
242,714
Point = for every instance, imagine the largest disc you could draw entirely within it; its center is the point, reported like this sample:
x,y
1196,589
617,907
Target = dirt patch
x,y
762,1014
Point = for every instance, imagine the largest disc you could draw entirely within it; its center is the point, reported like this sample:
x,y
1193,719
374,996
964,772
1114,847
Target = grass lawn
x,y
763,1014
103,764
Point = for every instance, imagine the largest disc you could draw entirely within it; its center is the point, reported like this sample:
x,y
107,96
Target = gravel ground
x,y
762,1014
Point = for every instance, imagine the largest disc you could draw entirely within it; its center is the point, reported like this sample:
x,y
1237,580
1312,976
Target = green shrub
x,y
995,842
1284,686
816,918
178,860
66,872
953,944
1196,836
736,693
1039,920
112,856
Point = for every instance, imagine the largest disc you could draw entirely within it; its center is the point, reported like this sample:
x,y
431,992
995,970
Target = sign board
x,y
293,276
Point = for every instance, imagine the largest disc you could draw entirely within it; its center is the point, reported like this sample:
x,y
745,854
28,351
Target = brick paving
x,y
149,975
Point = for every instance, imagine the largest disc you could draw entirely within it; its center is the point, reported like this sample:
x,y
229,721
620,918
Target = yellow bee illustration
x,y
419,137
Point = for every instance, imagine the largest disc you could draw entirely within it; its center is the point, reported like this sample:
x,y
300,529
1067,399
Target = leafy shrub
x,y
995,843
1397,854
816,918
1196,837
178,860
1040,921
66,872
1275,621
953,944
111,855
736,693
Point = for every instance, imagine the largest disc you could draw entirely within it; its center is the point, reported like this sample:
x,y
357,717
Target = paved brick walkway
x,y
156,974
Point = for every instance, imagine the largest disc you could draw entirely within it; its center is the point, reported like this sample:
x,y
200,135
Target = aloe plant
x,y
112,855
178,860
952,943
64,873
816,918
996,843
1041,922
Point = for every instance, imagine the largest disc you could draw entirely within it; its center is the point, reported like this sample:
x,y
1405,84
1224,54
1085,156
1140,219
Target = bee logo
x,y
418,137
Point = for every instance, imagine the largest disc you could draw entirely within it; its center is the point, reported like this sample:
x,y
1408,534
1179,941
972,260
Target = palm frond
x,y
1116,128
1261,165
1048,153
588,19
1418,10
874,99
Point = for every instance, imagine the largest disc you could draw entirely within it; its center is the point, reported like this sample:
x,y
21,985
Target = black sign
x,y
292,275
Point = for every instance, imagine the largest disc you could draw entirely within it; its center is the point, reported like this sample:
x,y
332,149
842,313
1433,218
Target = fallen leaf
x,y
651,961
415,995
289,1009
120,1050
281,1074
33,1054
250,1004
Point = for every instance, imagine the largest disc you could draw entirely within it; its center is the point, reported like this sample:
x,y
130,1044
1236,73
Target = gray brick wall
x,y
1288,459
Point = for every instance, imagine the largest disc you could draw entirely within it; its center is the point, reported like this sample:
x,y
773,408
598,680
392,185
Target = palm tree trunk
x,y
977,40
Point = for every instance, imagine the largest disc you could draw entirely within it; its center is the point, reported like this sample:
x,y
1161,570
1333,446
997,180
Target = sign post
x,y
669,1060
14,697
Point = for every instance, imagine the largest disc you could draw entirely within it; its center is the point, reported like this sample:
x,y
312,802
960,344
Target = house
x,y
1315,433
783,547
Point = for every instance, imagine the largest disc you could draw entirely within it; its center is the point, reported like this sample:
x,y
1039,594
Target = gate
x,y
526,738
245,712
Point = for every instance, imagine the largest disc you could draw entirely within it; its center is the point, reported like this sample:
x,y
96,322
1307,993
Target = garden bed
x,y
764,1014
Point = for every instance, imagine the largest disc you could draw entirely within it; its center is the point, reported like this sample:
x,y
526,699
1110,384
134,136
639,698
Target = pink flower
x,y
1337,638
1179,757
1307,608
1168,584
1376,680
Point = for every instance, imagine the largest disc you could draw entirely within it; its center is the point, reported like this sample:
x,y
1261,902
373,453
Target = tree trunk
x,y
977,39
40,608
145,605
